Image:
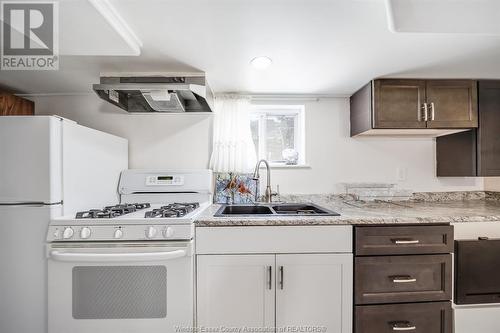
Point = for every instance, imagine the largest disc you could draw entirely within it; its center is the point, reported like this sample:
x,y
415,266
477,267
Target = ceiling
x,y
317,46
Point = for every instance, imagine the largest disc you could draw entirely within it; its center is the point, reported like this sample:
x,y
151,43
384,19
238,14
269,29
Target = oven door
x,y
120,287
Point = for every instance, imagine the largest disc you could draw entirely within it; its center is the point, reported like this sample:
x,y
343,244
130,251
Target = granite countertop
x,y
455,207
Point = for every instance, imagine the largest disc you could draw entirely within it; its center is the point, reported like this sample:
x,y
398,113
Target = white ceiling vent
x,y
444,16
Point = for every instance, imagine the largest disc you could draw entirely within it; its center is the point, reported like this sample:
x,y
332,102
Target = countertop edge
x,y
277,221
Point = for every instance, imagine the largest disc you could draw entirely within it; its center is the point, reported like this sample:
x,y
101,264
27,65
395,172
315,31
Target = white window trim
x,y
300,145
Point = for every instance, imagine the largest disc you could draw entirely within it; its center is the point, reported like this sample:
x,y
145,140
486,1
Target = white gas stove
x,y
153,222
128,267
155,205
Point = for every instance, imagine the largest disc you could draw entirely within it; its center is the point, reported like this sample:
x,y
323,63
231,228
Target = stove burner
x,y
172,210
111,211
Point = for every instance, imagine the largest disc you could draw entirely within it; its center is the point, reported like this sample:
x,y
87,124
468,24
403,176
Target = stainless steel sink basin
x,y
282,209
300,209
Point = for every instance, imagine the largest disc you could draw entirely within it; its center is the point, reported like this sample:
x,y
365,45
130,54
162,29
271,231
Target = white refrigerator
x,y
49,166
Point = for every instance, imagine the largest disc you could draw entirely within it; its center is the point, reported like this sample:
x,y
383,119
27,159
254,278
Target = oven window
x,y
118,292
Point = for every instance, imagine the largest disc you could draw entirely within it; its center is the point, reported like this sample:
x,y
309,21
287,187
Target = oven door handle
x,y
116,257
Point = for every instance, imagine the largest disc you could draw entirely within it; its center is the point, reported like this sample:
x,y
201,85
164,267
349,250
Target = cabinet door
x,y
235,291
314,290
452,103
399,104
489,129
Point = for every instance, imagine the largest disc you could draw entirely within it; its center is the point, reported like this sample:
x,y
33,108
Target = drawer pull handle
x,y
405,241
281,277
270,277
403,326
403,279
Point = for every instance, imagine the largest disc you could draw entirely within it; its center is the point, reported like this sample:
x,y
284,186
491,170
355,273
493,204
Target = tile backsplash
x,y
234,188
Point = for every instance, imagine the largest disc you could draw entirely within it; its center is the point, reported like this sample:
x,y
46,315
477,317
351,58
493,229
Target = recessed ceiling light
x,y
261,62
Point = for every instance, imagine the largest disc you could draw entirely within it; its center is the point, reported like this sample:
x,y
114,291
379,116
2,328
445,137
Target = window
x,y
278,133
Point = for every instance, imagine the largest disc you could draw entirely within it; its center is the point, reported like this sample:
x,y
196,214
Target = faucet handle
x,y
277,193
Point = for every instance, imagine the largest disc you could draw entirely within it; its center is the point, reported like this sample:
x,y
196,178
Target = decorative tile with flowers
x,y
233,188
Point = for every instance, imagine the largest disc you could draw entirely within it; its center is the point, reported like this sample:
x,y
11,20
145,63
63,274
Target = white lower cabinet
x,y
314,290
235,291
292,292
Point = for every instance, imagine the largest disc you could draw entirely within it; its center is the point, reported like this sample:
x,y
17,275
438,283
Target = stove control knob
x,y
68,233
57,234
169,232
118,233
150,232
85,233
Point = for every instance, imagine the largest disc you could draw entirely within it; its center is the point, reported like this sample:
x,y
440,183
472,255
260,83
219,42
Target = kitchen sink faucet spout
x,y
256,176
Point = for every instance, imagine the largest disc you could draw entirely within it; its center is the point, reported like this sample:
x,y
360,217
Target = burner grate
x,y
172,210
111,211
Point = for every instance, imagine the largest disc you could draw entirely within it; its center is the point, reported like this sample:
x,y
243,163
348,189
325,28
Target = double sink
x,y
281,209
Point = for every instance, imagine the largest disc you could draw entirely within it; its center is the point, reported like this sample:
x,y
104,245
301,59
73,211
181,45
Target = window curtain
x,y
233,147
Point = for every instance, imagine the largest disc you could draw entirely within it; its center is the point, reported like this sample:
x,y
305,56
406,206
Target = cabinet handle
x,y
405,241
269,277
281,277
403,279
426,112
403,326
433,111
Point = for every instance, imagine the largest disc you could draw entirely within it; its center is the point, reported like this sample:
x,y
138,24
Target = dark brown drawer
x,y
400,279
414,318
403,240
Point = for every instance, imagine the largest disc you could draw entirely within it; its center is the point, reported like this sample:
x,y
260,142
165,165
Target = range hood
x,y
168,93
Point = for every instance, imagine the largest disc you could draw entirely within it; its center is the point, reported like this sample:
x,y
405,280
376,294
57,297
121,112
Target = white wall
x,y
184,141
335,157
155,141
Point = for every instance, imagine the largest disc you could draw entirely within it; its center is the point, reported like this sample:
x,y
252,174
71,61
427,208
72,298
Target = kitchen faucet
x,y
256,176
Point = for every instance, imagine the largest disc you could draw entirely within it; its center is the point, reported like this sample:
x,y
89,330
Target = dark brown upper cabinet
x,y
398,104
404,106
452,103
474,153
